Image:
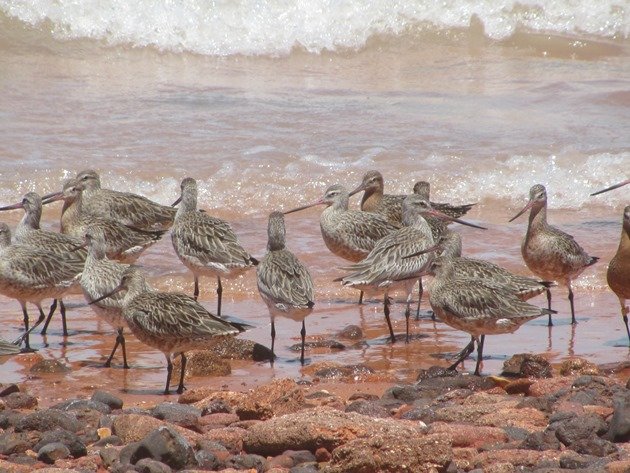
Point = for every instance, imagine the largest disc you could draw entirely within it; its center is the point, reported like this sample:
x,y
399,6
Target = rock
x,y
550,386
319,427
526,365
541,440
214,421
19,400
52,452
384,452
48,419
208,461
518,386
330,344
49,366
247,462
351,332
113,401
368,408
202,363
574,461
6,389
578,366
239,349
71,440
577,428
355,372
322,455
164,445
277,398
522,459
300,456
463,435
619,430
180,414
147,465
216,407
81,404
594,446
17,442
135,427
230,437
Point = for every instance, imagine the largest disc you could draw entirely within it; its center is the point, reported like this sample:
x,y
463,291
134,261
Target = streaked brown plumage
x,y
618,274
550,253
30,274
478,307
123,243
170,322
390,206
206,245
28,232
129,209
284,283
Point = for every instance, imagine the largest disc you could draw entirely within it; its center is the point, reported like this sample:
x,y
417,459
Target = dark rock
x,y
366,396
109,440
79,404
48,419
305,468
619,430
181,414
580,427
261,353
351,332
19,400
165,445
208,461
594,446
516,433
109,456
247,461
216,406
542,403
417,413
6,389
405,393
16,442
49,366
540,441
330,344
69,439
114,402
435,386
335,372
300,456
436,372
574,461
146,465
368,408
52,452
10,418
526,365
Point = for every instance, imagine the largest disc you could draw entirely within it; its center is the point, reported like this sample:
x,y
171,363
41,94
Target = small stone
x,y
247,461
578,366
49,366
52,452
300,456
180,414
322,455
48,419
351,332
6,389
147,465
164,445
619,430
19,400
114,402
71,440
526,365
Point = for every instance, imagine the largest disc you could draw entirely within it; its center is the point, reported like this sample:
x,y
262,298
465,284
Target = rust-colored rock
x,y
543,387
282,396
578,366
384,452
526,418
230,437
202,363
135,427
516,457
464,435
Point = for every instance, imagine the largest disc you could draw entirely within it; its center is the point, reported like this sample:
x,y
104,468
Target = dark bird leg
x,y
303,334
62,309
273,340
624,315
462,355
420,291
53,307
479,354
180,388
549,305
361,298
573,321
389,322
196,291
169,372
108,363
219,293
124,348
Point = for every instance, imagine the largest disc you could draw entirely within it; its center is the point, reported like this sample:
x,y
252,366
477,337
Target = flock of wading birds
x,y
391,243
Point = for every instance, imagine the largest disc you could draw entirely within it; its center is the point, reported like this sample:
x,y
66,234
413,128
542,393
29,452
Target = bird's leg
x,y
420,291
121,336
573,321
303,334
53,307
462,355
180,388
624,314
273,340
389,322
62,309
196,291
27,346
169,372
361,298
549,305
479,354
407,315
108,363
219,293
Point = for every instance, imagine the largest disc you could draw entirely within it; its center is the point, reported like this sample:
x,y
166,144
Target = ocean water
x,y
268,103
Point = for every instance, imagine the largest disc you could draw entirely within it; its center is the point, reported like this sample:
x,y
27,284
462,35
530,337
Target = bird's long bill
x,y
436,247
358,189
297,209
616,186
54,197
19,205
437,213
179,199
116,290
525,209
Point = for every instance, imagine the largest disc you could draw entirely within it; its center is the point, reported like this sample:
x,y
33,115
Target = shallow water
x,y
482,115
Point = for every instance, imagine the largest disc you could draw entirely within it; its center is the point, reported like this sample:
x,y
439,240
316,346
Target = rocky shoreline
x,y
535,418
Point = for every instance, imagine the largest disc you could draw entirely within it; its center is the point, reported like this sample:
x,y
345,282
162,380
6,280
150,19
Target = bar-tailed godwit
x,y
284,282
206,245
550,253
170,322
618,274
